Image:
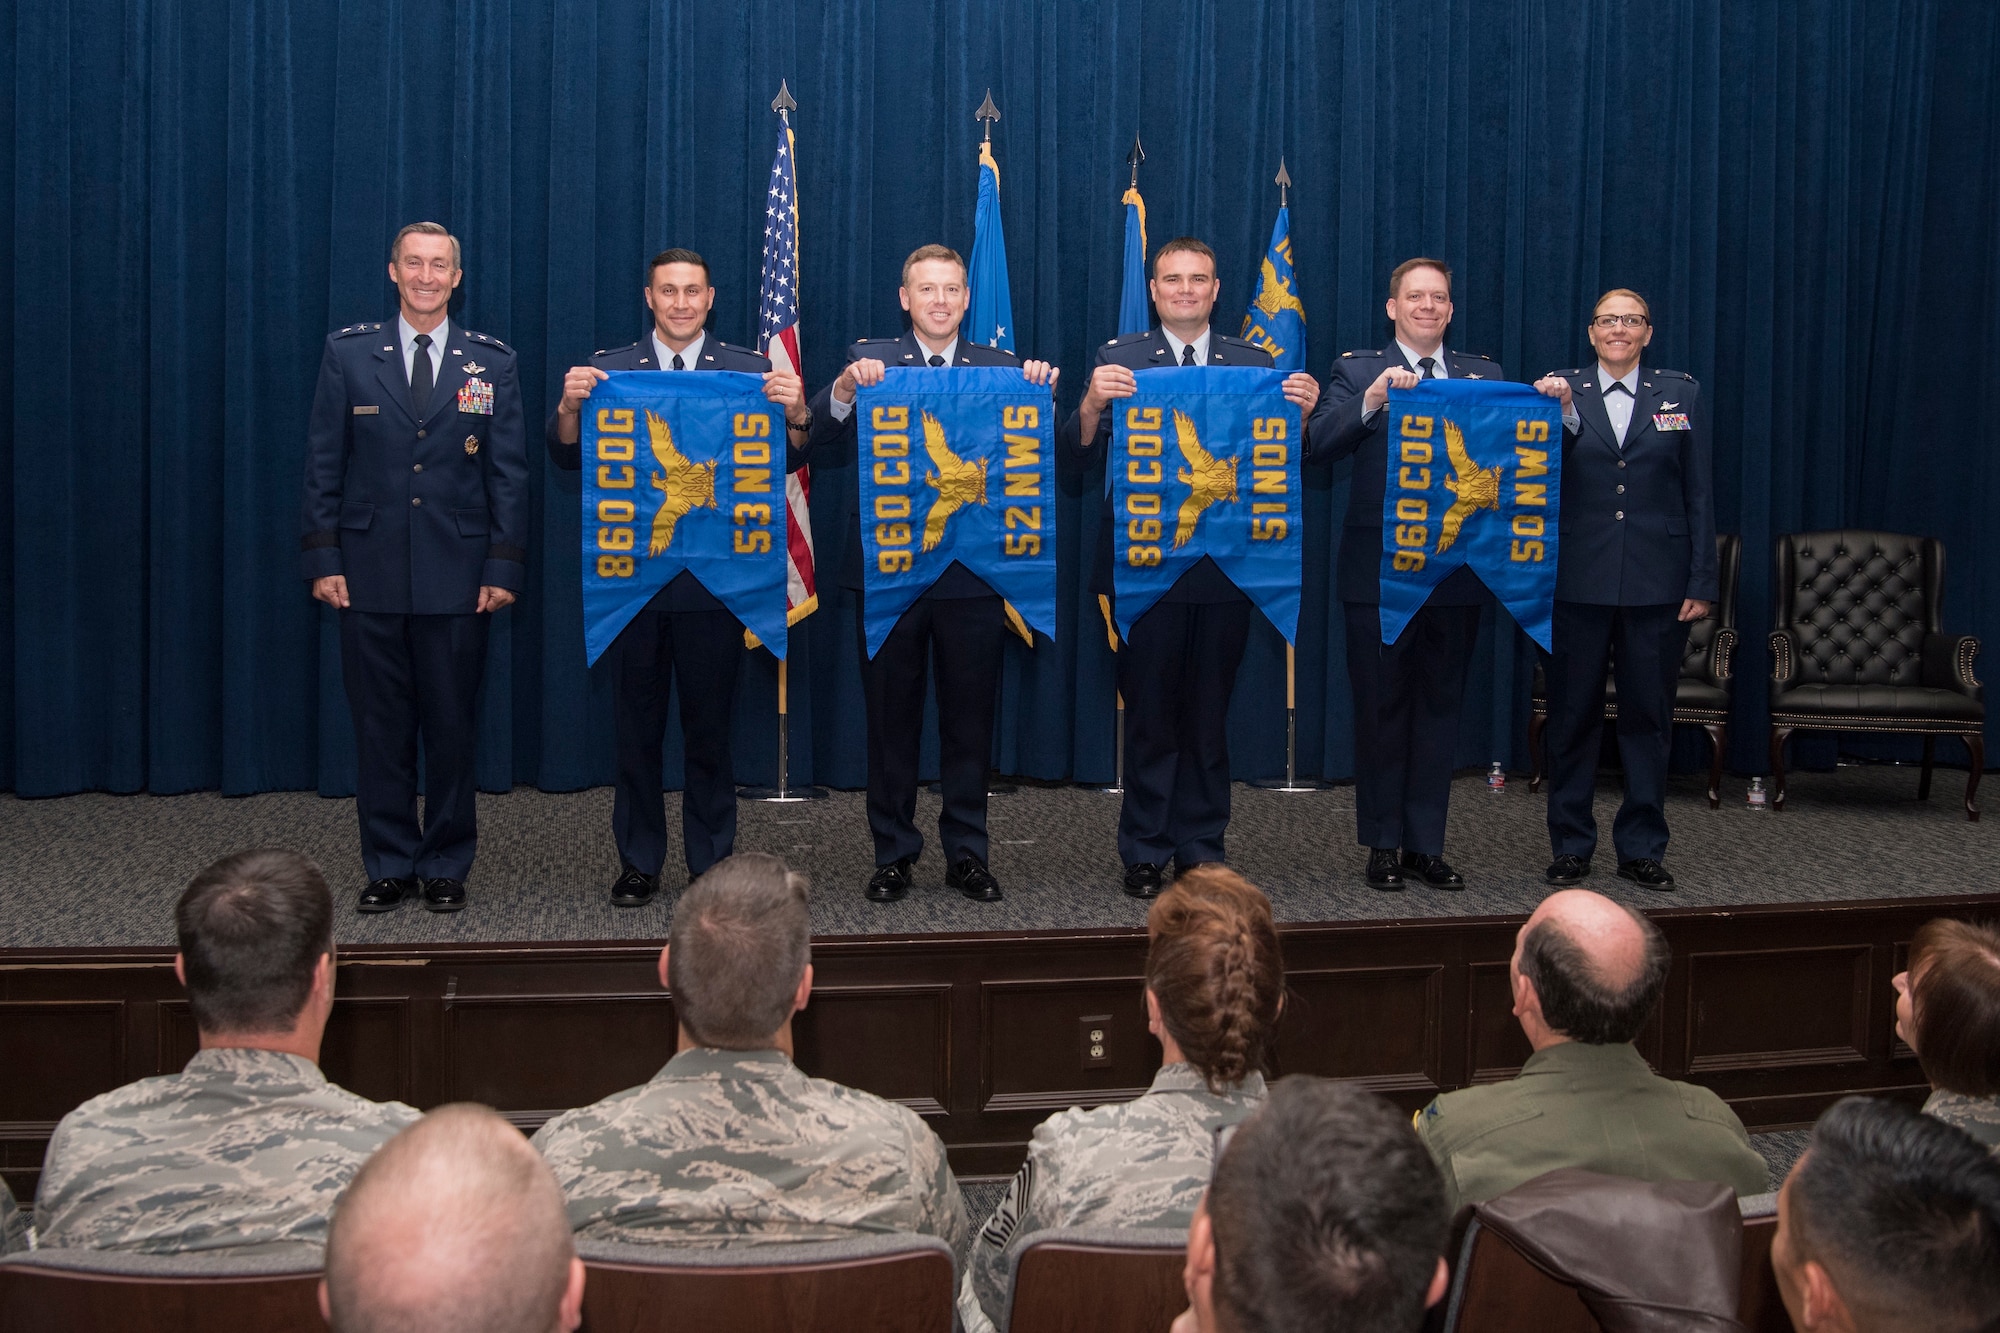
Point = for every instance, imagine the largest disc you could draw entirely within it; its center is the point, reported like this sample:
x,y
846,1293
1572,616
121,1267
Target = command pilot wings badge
x,y
957,481
684,485
1476,487
1212,480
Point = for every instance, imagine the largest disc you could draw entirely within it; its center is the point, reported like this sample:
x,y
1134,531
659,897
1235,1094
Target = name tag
x,y
360,411
1671,421
475,397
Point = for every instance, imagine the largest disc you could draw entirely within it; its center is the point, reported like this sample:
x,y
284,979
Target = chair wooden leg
x,y
1718,740
1778,737
1975,745
1924,782
1537,724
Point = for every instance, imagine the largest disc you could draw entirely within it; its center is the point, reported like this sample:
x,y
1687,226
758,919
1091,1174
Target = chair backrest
x,y
1859,604
1702,633
894,1283
1096,1280
1760,1308
82,1291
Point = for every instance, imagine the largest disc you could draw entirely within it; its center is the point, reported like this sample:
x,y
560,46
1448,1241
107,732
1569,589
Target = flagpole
x,y
784,793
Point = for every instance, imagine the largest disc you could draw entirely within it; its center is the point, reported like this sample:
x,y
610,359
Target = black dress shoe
x,y
1383,872
444,895
971,878
385,895
1433,870
1566,870
889,883
1647,874
1143,880
634,888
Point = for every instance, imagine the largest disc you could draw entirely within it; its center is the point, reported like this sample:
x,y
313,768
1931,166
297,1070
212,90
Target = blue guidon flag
x,y
683,471
1474,478
1205,462
957,464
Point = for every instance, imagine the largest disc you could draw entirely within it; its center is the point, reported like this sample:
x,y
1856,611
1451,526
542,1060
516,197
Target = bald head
x,y
1593,968
455,1225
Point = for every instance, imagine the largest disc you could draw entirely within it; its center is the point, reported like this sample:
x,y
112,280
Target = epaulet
x,y
1240,342
353,329
1362,351
1481,355
1567,373
732,347
877,342
1124,338
1671,375
489,340
612,351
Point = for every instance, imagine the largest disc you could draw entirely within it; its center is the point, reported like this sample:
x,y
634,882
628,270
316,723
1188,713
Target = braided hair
x,y
1214,965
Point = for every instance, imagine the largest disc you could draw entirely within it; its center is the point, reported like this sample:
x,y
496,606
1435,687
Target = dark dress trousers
x,y
685,635
1178,668
1407,694
418,508
956,628
1637,538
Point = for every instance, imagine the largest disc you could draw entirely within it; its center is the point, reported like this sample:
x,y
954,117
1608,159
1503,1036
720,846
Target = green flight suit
x,y
1595,1107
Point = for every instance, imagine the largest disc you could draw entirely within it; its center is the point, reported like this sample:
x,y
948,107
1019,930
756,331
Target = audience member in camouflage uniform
x,y
1214,984
248,1147
13,1223
1325,1212
1948,1010
730,1142
455,1226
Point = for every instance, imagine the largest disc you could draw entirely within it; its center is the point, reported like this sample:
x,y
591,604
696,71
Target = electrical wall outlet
x,y
1093,1040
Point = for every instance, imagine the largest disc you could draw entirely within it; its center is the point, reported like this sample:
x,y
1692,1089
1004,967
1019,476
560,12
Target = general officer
x,y
684,633
1406,694
957,625
1178,666
415,527
1636,563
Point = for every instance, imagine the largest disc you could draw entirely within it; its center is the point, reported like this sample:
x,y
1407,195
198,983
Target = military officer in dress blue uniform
x,y
415,528
1178,667
1406,694
958,625
1635,565
684,633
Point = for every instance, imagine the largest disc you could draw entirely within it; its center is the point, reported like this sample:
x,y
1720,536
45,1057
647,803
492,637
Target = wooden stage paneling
x,y
1779,1008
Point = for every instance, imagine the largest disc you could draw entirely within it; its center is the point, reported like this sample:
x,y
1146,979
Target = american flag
x,y
778,338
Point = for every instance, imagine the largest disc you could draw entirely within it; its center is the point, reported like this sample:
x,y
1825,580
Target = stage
x,y
1786,930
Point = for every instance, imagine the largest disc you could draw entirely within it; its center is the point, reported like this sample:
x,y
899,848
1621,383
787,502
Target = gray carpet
x,y
105,870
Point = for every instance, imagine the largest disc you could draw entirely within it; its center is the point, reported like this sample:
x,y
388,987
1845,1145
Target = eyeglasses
x,y
1613,321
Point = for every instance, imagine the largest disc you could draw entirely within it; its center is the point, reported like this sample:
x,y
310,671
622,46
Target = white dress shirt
x,y
687,354
438,336
1618,406
1200,346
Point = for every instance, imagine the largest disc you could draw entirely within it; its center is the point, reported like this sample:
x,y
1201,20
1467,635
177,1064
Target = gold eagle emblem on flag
x,y
1274,294
1212,480
684,484
1476,487
957,482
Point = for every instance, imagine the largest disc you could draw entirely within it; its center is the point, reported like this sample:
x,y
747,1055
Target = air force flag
x,y
1205,462
956,464
1474,478
683,471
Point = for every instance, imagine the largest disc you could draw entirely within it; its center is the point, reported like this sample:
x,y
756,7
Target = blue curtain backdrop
x,y
199,189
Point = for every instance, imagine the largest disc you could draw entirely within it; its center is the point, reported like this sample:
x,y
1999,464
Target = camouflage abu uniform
x,y
1977,1116
727,1147
243,1150
1144,1163
13,1225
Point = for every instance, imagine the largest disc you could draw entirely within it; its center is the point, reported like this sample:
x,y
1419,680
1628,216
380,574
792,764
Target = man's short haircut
x,y
927,252
677,256
456,1225
740,941
1629,295
1183,245
1576,999
252,928
1955,1000
1396,274
425,229
1903,1212
1328,1212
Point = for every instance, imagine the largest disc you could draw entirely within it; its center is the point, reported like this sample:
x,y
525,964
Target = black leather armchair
x,y
1701,697
1860,646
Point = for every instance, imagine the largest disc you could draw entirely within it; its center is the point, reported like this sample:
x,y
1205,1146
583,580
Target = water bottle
x,y
1496,777
1756,798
